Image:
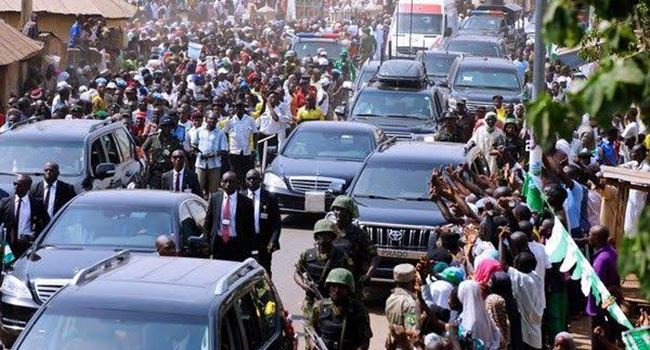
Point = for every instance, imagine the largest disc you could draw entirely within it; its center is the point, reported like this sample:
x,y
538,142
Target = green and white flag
x,y
532,191
8,256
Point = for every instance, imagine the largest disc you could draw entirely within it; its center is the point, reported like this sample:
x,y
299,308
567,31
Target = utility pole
x,y
25,12
540,50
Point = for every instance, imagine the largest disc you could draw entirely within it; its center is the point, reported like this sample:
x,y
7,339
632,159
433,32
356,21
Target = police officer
x,y
354,241
450,130
159,148
402,308
341,321
315,264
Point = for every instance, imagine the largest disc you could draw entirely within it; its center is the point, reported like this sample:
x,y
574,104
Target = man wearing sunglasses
x,y
24,216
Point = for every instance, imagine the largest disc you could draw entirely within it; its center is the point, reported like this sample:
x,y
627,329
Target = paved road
x,y
296,237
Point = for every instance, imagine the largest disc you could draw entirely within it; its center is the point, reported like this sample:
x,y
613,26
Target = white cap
x,y
111,85
62,84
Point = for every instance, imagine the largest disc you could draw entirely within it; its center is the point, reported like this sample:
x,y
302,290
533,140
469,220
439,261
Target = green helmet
x,y
341,276
346,202
325,227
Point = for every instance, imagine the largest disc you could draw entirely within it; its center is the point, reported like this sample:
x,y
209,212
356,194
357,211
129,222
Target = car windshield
x,y
127,227
110,329
380,180
364,77
438,65
487,78
393,103
29,156
487,23
419,23
329,144
475,48
310,48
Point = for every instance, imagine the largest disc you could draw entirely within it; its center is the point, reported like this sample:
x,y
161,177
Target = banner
x,y
560,247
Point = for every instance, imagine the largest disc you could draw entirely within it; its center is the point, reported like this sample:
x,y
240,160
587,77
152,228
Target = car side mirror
x,y
340,111
104,170
336,188
28,237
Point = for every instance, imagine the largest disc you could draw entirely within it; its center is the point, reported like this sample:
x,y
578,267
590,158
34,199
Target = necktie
x,y
47,198
225,229
177,185
18,214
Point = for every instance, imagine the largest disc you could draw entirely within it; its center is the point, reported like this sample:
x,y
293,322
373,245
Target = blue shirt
x,y
574,204
75,33
521,67
179,132
210,143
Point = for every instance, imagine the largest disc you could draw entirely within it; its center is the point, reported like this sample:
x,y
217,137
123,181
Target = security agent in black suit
x,y
180,179
53,192
268,222
230,221
23,215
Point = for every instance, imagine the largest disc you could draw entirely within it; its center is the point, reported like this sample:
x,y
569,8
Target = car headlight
x,y
272,180
14,287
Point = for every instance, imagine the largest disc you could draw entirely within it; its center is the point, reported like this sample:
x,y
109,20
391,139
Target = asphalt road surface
x,y
296,238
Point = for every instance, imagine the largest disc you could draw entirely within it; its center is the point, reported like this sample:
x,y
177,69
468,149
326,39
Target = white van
x,y
420,25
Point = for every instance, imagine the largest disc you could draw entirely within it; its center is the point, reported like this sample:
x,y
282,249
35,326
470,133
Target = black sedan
x,y
319,161
92,227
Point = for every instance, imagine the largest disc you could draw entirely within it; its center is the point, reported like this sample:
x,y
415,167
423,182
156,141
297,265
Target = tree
x,y
618,41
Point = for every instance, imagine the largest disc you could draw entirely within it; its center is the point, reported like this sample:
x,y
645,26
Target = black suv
x,y
92,154
92,227
479,79
399,100
152,303
392,193
478,45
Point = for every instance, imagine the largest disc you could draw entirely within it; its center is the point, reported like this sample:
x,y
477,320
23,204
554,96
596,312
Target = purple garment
x,y
604,263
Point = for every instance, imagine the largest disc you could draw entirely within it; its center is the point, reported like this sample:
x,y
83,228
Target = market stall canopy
x,y
15,46
112,9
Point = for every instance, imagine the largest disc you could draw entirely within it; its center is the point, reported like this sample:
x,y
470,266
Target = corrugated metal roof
x,y
15,46
104,8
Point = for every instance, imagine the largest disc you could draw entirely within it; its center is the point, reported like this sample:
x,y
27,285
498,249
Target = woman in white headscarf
x,y
475,318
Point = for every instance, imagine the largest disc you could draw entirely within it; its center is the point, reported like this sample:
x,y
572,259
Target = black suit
x,y
63,194
38,220
270,223
237,248
189,182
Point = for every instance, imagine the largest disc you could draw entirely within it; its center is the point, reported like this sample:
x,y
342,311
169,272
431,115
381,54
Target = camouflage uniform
x,y
402,307
159,148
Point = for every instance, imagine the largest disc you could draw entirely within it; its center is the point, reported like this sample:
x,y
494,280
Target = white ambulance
x,y
420,25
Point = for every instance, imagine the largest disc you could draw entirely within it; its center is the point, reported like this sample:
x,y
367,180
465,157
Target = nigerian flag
x,y
532,190
8,256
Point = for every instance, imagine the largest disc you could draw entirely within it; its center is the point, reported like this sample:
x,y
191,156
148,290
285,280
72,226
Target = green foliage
x,y
560,25
549,118
634,254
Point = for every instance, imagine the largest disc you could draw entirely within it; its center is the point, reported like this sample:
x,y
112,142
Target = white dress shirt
x,y
178,174
240,131
50,204
255,196
233,208
210,142
24,221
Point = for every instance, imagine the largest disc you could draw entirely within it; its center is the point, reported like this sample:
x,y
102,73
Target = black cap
x,y
166,121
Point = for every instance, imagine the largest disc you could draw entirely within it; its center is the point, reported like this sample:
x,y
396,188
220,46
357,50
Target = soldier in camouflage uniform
x,y
316,263
159,148
354,241
402,306
341,321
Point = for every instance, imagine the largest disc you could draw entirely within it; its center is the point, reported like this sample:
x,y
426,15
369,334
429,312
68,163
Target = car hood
x,y
58,263
425,213
474,95
389,124
341,169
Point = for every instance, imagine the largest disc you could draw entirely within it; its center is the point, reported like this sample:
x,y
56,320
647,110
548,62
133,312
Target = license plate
x,y
315,202
400,254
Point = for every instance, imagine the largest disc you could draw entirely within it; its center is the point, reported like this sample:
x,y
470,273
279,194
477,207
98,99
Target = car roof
x,y
475,37
154,284
338,126
56,129
133,198
496,62
420,152
442,52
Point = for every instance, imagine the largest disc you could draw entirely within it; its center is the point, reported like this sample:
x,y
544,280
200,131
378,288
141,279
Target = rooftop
x,y
112,9
14,45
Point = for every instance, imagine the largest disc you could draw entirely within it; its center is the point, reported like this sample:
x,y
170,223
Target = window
x,y
124,143
230,334
111,149
198,212
487,78
29,156
248,314
188,225
328,144
97,155
267,308
387,103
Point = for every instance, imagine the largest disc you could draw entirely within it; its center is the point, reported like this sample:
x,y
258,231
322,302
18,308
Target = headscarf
x,y
475,318
485,269
568,340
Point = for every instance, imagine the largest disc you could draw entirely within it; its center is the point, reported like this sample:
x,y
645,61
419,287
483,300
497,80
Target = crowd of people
x,y
489,283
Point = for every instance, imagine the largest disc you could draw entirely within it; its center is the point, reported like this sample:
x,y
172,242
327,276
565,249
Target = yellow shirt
x,y
304,114
99,104
501,114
